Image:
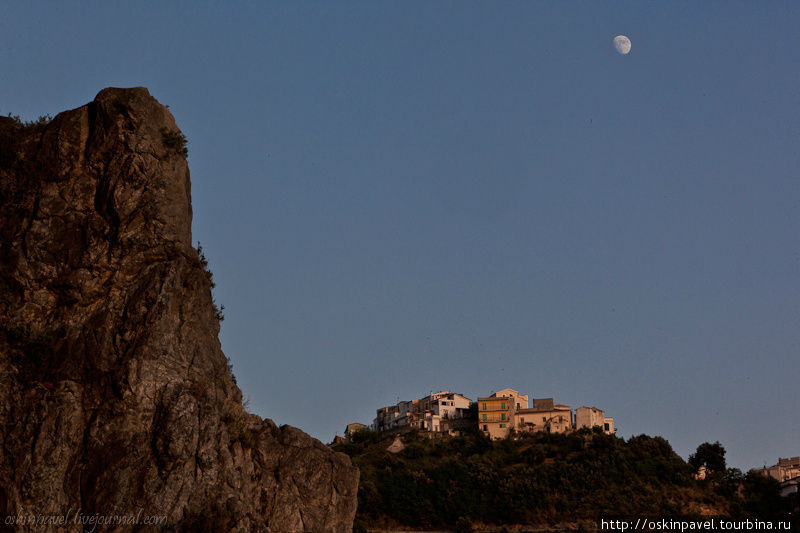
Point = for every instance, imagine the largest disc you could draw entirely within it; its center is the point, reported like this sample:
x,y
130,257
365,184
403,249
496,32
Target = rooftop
x,y
543,404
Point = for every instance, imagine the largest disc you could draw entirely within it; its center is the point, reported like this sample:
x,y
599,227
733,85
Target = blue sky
x,y
398,198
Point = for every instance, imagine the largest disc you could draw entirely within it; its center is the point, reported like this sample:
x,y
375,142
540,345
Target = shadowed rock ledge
x,y
115,395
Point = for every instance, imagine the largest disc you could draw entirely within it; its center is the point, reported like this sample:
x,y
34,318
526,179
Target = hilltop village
x,y
786,472
449,413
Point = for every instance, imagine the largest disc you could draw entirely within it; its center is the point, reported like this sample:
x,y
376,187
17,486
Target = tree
x,y
472,412
734,474
711,456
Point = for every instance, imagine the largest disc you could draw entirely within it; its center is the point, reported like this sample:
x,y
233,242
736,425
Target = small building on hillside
x,y
545,415
352,428
589,417
701,473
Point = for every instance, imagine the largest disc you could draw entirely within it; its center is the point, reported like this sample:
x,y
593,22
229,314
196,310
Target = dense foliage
x,y
535,479
711,456
175,141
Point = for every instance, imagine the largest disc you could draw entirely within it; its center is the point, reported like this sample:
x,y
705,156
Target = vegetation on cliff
x,y
539,479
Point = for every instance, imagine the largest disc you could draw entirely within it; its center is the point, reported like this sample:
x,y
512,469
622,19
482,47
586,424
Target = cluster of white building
x,y
496,415
441,412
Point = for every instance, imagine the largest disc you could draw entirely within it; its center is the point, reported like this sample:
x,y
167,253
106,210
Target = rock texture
x,y
115,396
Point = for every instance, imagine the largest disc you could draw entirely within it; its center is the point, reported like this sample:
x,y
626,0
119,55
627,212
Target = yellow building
x,y
496,412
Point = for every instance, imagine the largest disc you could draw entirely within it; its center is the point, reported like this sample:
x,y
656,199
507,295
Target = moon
x,y
622,44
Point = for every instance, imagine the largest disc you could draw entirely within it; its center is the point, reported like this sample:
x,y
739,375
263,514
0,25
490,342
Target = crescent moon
x,y
622,44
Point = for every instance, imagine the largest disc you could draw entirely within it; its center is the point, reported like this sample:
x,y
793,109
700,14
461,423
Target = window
x,y
605,426
485,427
521,420
484,407
502,405
483,417
502,425
517,406
502,416
544,419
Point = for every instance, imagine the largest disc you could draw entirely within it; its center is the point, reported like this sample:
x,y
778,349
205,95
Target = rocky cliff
x,y
115,397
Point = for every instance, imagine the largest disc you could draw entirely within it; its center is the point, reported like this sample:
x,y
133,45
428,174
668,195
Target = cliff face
x,y
115,396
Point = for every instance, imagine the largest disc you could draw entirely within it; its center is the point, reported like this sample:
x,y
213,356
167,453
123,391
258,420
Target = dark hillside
x,y
539,479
